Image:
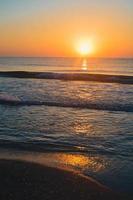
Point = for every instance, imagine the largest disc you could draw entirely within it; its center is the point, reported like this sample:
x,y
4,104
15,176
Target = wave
x,y
4,97
15,101
43,147
69,76
40,146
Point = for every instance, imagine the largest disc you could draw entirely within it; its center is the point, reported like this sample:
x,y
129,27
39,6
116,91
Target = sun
x,y
85,47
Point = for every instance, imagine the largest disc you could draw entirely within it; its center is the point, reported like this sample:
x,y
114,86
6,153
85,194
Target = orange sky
x,y
54,29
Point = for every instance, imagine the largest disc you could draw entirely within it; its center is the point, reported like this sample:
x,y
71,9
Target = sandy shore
x,y
27,180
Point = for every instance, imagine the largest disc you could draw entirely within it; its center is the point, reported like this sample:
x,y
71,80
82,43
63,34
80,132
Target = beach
x,y
29,175
28,180
66,100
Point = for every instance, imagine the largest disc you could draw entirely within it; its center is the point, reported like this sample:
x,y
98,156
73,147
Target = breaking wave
x,y
70,76
35,146
15,101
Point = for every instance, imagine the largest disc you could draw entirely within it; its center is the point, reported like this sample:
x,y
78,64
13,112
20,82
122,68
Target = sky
x,y
56,27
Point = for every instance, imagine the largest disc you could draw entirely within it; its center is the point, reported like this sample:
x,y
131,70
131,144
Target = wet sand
x,y
28,180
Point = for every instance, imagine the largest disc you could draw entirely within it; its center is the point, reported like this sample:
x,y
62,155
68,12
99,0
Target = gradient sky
x,y
54,27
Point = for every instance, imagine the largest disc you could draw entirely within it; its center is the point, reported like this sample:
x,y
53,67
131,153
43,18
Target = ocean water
x,y
121,66
90,120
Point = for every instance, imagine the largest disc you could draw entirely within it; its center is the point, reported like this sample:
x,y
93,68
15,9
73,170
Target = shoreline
x,y
16,165
21,179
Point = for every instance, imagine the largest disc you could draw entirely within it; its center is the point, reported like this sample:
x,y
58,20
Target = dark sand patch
x,y
21,180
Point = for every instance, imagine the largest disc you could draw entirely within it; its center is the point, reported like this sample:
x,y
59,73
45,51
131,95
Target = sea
x,y
97,139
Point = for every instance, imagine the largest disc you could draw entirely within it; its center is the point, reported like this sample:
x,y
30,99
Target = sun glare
x,y
85,48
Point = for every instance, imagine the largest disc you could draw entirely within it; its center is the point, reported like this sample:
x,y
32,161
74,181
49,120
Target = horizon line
x,y
87,57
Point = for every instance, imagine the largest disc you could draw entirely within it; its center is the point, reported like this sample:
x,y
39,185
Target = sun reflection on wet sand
x,y
81,162
65,160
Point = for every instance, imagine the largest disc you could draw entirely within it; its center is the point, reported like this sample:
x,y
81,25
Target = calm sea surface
x,y
102,136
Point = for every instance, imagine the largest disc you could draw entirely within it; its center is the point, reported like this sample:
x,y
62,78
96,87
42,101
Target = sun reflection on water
x,y
83,128
84,66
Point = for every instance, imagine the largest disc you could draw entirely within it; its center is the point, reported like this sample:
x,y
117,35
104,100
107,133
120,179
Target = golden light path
x,y
84,65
